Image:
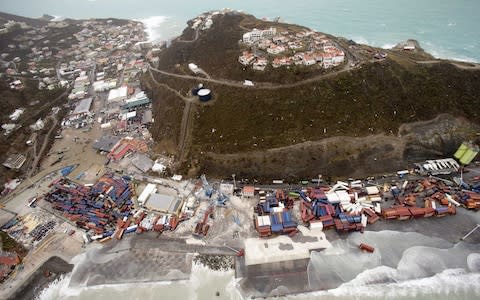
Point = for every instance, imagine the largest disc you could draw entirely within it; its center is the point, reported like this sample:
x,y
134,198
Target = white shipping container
x,y
266,221
364,220
96,237
316,225
450,199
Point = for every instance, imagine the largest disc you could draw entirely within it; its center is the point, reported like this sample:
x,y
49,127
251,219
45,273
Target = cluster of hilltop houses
x,y
287,48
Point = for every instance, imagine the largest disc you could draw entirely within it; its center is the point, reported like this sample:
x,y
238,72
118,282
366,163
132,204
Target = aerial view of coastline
x,y
239,150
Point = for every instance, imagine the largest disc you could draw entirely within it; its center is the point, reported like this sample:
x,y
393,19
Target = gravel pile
x,y
215,262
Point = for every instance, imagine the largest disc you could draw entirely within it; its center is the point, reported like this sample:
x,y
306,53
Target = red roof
x,y
249,189
9,260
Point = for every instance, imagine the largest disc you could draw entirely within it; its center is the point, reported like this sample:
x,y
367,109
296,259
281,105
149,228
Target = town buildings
x,y
305,48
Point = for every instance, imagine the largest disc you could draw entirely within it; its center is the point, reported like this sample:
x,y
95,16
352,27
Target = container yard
x,y
353,205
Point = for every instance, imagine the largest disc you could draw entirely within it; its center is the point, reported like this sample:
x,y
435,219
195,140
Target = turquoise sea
x,y
445,28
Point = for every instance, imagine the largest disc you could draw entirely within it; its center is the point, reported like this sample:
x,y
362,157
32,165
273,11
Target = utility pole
x,y
234,185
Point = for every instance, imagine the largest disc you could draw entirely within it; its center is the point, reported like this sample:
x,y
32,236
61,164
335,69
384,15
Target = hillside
x,y
4,17
371,100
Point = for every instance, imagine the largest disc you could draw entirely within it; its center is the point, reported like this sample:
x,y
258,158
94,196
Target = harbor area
x,y
137,227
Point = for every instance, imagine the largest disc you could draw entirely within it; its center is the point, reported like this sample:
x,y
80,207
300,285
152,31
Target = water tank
x,y
204,94
196,89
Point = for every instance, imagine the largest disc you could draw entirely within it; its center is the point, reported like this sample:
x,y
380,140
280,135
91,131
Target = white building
x,y
338,58
260,64
327,60
256,35
309,60
118,94
274,49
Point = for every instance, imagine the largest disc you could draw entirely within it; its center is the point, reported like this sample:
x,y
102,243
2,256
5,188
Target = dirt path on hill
x,y
39,155
186,116
463,66
184,130
259,85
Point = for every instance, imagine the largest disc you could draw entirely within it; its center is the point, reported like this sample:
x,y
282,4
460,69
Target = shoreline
x,y
434,50
37,282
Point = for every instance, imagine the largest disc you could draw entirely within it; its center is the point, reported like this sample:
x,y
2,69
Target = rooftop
x,y
163,203
83,106
106,143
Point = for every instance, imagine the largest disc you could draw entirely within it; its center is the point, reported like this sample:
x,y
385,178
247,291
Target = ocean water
x,y
405,265
445,28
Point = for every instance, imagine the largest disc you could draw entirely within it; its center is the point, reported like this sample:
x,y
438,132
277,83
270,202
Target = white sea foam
x,y
154,26
59,289
360,40
388,46
57,18
203,284
443,53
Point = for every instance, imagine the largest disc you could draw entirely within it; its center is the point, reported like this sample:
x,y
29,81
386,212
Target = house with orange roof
x,y
260,64
246,58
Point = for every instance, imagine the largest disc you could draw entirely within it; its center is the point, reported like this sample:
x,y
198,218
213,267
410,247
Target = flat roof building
x,y
106,143
83,107
15,161
164,203
118,94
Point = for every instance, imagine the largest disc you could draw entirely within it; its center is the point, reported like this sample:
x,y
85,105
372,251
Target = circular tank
x,y
204,94
196,89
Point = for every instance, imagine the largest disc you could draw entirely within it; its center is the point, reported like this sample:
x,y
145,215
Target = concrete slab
x,y
5,216
283,248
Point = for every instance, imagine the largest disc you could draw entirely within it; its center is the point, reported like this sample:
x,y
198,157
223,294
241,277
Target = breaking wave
x,y
404,265
203,284
154,27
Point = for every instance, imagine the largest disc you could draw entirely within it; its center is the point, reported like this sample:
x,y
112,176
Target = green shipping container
x,y
468,156
460,151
